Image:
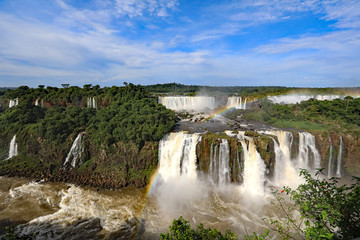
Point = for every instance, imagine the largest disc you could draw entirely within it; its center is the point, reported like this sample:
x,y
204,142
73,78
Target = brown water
x,y
63,211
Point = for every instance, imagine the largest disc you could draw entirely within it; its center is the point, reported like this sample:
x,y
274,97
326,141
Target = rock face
x,y
222,157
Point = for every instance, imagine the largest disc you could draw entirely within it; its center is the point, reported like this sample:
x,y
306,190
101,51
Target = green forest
x,y
312,115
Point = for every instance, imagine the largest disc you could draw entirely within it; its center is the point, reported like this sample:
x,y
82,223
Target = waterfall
x,y
74,155
177,155
308,152
297,98
235,102
285,172
13,150
91,102
339,158
254,169
187,103
219,168
37,102
13,102
330,159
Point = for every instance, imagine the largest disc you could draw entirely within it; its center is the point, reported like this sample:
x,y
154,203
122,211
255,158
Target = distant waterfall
x,y
339,158
91,102
219,168
236,102
13,102
308,152
254,169
330,159
13,150
177,155
74,155
37,103
188,103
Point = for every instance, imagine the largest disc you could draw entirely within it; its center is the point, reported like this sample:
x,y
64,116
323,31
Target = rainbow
x,y
152,181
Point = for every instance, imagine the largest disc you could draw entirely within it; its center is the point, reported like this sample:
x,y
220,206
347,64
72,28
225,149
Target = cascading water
x,y
235,102
188,103
91,102
330,159
74,155
177,155
37,102
339,158
13,150
219,169
254,168
285,172
297,98
13,102
308,152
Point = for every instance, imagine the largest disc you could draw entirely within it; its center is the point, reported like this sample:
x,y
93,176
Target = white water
x,y
37,102
308,152
74,155
13,149
188,103
297,98
330,159
236,102
339,158
177,155
13,102
219,169
285,170
254,169
91,102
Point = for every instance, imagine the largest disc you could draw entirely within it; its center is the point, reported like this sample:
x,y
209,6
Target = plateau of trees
x,y
335,115
125,114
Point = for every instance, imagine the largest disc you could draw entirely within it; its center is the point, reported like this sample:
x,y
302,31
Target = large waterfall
x,y
236,102
13,150
177,155
74,155
254,169
285,169
188,103
219,169
309,157
297,98
13,102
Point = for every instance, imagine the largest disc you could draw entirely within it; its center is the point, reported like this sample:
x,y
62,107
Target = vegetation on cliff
x,y
125,117
336,116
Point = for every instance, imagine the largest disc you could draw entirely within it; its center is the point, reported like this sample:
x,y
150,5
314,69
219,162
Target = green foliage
x,y
125,114
328,211
181,229
336,115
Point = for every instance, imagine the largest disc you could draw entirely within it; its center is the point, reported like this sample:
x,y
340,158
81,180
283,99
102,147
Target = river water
x,y
64,211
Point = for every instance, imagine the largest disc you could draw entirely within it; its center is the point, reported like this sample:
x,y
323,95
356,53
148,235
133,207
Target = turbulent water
x,y
179,188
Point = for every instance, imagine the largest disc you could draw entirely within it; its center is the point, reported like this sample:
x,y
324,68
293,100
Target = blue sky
x,y
301,43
